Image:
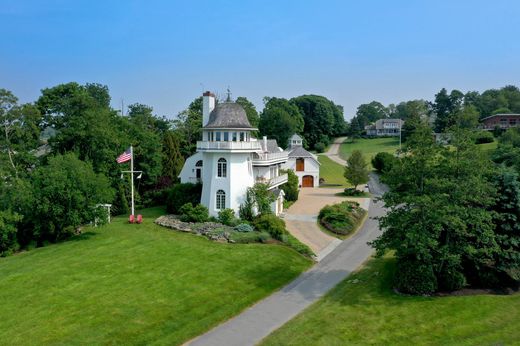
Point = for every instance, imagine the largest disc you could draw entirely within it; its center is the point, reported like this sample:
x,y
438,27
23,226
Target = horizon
x,y
166,55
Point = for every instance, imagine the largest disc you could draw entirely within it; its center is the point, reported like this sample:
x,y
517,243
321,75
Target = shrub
x,y
180,194
245,211
244,228
414,277
8,243
341,218
383,162
451,280
271,224
190,213
227,217
351,192
153,198
290,188
483,137
297,245
320,147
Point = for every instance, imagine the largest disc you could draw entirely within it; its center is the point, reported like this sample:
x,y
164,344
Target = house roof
x,y
272,146
295,137
228,115
277,192
501,115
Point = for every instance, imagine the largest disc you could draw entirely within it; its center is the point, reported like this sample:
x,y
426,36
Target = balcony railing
x,y
259,158
206,145
273,182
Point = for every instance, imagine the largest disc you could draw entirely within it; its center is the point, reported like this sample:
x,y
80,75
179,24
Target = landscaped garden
x,y
135,284
342,219
364,310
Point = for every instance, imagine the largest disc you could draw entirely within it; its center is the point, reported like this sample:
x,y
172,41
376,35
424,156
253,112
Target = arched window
x,y
222,168
199,163
198,170
221,200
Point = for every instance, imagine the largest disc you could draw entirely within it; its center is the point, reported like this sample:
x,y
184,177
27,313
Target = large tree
x,y
280,119
323,120
251,112
445,108
189,127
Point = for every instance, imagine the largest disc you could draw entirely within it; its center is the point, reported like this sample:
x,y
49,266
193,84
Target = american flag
x,y
126,156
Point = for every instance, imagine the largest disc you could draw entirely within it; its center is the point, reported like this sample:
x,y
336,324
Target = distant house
x,y
384,127
503,121
304,164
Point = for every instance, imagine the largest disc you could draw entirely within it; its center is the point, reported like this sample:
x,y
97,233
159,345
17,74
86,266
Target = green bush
x,y
351,192
451,280
341,218
414,277
320,147
245,211
482,137
227,217
271,224
383,162
244,228
180,194
8,242
153,198
290,188
190,213
297,245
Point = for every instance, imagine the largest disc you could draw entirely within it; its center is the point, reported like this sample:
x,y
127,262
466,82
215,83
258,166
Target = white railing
x,y
258,157
206,145
279,180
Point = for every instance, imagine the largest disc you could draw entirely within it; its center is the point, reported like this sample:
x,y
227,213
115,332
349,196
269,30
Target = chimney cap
x,y
208,93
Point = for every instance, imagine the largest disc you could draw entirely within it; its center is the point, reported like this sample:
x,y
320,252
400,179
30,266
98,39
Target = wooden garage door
x,y
308,181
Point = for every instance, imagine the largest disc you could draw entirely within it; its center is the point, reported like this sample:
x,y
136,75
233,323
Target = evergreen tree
x,y
172,157
356,171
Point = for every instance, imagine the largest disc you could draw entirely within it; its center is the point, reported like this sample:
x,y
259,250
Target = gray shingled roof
x,y
272,146
300,152
228,115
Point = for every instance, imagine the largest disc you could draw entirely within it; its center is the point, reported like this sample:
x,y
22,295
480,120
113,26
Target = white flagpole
x,y
132,176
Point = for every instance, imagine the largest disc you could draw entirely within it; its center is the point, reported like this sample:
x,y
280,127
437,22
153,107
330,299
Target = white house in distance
x,y
228,160
304,164
384,127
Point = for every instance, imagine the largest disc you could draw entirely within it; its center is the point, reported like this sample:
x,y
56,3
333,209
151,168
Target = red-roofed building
x,y
503,121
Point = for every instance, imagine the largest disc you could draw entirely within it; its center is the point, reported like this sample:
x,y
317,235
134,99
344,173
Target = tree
x,y
370,112
507,222
172,157
356,171
445,108
439,218
66,192
189,127
323,119
8,241
280,119
467,117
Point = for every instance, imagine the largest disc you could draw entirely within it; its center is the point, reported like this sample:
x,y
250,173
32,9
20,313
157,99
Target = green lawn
x,y
369,147
488,147
332,172
364,310
134,284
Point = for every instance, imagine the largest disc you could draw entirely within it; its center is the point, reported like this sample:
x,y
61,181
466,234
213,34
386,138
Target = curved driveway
x,y
258,321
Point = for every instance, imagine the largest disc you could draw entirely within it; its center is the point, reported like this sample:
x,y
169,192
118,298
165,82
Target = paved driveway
x,y
301,218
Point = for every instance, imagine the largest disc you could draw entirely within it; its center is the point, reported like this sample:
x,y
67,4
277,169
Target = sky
x,y
165,53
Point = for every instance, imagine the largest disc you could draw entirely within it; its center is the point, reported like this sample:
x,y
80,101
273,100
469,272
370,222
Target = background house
x,y
384,127
303,163
503,121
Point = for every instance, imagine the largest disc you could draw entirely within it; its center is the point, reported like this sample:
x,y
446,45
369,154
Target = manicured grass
x,y
364,310
369,147
332,172
135,284
488,147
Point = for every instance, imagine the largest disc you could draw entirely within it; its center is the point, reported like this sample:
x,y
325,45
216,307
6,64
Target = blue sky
x,y
164,53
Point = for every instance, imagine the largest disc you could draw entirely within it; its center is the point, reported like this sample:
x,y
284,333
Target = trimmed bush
x,y
190,213
351,192
180,194
271,224
244,228
482,137
383,162
341,218
414,277
227,217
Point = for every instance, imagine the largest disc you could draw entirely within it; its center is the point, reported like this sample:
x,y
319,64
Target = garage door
x,y
308,181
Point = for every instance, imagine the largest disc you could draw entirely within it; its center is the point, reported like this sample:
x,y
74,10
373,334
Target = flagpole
x,y
132,176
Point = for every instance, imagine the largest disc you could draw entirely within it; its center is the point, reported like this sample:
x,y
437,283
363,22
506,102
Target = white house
x,y
384,127
228,160
304,164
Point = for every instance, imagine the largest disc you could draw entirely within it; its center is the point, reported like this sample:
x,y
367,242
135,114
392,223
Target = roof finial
x,y
228,98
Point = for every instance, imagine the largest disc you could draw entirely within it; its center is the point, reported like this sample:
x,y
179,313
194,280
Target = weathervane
x,y
228,99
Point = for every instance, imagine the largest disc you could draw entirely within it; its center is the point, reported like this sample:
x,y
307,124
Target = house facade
x,y
304,164
384,127
502,121
229,160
